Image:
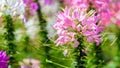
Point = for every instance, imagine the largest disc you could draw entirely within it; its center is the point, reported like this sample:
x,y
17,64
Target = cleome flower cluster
x,y
76,22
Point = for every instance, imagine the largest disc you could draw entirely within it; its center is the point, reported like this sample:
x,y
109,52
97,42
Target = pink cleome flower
x,y
74,22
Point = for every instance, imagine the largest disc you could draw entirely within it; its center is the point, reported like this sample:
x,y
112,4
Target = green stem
x,y
80,55
56,64
118,45
26,44
9,37
95,59
43,36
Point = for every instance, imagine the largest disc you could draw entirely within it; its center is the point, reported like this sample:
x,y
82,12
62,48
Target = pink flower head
x,y
76,22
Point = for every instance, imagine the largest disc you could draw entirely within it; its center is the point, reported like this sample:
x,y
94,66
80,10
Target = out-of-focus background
x,y
31,36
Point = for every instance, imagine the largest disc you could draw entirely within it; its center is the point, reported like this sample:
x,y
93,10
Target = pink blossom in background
x,y
27,1
118,22
102,7
75,22
31,8
48,2
115,6
34,6
31,4
83,4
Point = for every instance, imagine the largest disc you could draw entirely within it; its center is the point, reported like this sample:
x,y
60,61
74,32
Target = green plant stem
x,y
43,36
80,55
118,45
56,64
9,37
94,57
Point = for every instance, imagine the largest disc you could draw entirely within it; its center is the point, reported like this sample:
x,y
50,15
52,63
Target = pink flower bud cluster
x,y
75,22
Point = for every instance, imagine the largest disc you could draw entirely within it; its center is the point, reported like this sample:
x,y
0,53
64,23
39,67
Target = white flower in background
x,y
50,12
12,7
50,23
32,27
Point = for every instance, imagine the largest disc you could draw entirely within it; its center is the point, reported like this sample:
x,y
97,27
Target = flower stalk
x,y
94,57
118,45
80,54
43,36
9,37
